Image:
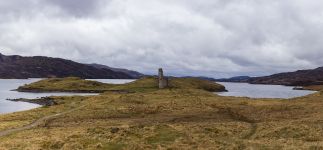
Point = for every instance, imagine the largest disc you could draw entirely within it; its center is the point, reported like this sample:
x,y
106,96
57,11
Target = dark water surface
x,y
262,91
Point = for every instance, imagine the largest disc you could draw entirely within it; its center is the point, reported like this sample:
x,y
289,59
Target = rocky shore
x,y
44,101
54,91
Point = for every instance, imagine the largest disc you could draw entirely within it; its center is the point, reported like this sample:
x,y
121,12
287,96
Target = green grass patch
x,y
70,84
164,135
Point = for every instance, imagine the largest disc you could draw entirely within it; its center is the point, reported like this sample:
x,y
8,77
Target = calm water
x,y
235,89
261,91
6,85
113,81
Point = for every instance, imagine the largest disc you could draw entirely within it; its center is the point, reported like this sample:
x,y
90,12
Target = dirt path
x,y
252,131
37,122
240,117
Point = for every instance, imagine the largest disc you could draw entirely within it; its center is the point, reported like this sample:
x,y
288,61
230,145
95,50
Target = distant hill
x,y
133,74
298,78
18,67
234,79
200,77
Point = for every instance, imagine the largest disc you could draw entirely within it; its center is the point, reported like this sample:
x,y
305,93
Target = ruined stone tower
x,y
162,81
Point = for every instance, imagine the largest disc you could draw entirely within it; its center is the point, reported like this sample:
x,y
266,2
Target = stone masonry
x,y
162,81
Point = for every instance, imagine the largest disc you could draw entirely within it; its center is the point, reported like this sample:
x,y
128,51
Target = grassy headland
x,y
73,84
185,116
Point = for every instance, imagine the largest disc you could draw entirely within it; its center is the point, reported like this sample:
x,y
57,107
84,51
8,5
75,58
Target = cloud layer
x,y
207,37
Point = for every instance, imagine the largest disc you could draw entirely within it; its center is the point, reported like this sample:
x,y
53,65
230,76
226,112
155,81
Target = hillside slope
x,y
133,74
42,67
298,78
234,79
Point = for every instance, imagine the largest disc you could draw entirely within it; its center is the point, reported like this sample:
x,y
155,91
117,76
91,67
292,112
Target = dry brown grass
x,y
175,118
314,87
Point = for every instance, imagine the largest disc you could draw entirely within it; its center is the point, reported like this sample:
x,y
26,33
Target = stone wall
x,y
162,81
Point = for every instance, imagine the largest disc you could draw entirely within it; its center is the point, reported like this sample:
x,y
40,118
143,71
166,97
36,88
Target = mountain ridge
x,y
297,78
21,67
234,79
132,73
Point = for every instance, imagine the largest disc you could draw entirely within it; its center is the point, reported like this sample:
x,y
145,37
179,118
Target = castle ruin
x,y
162,81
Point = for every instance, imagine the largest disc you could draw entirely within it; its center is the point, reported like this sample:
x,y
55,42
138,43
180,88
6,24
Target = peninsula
x,y
185,113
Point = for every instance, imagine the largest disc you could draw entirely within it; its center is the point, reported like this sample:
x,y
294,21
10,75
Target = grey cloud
x,y
78,8
208,37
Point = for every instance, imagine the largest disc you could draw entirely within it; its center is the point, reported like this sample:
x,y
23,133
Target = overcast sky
x,y
217,38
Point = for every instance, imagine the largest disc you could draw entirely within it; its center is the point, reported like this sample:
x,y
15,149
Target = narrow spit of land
x,y
187,115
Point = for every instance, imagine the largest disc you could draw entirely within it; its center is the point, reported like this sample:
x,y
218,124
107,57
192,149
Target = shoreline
x,y
43,101
59,91
70,91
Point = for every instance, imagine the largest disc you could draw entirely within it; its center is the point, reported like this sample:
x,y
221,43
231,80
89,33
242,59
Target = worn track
x,y
37,122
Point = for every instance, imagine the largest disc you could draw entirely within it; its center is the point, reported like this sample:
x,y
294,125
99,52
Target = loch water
x,y
262,91
7,87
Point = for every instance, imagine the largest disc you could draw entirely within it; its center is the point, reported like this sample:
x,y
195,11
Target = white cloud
x,y
207,37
